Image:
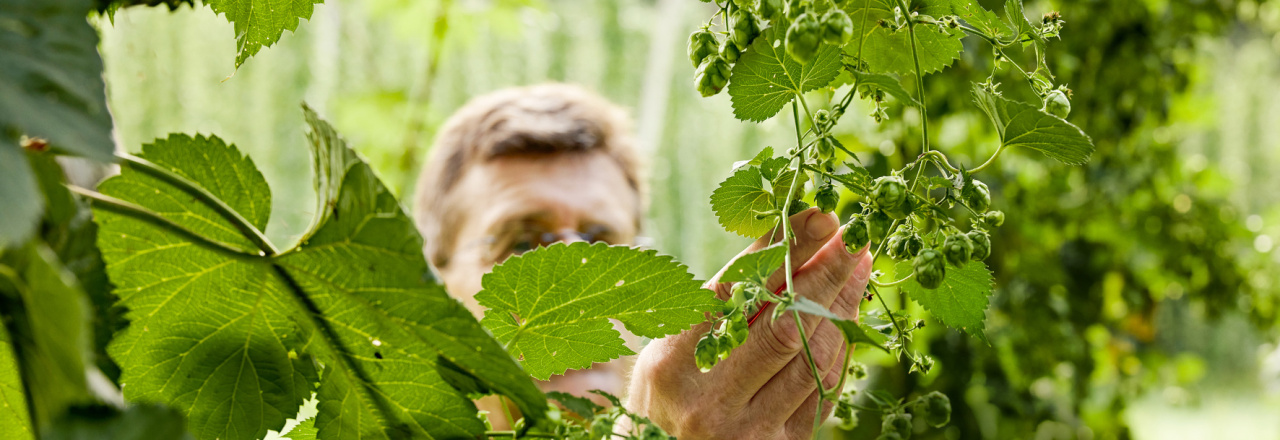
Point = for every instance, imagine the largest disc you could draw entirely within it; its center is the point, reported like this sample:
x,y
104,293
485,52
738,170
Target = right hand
x,y
765,388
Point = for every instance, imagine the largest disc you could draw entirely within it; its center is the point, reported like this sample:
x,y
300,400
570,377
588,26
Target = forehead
x,y
565,190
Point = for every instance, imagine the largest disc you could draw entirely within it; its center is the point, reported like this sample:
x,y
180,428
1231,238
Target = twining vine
x,y
930,217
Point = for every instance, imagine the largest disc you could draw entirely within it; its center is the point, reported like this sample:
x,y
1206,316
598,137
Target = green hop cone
x,y
744,3
958,249
857,370
837,27
897,423
1057,104
912,244
981,244
856,234
827,198
930,268
903,210
993,219
894,247
601,428
803,38
707,352
745,28
729,51
889,192
822,117
735,331
845,412
936,408
878,224
977,196
711,76
702,44
724,345
794,8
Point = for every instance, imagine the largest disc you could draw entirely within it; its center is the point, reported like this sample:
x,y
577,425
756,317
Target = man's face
x,y
513,204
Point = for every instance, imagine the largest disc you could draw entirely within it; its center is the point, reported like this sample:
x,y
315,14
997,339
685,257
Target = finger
x,y
786,391
808,223
800,424
771,345
813,230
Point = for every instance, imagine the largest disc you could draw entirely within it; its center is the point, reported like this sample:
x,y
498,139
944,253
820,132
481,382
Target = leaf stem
x,y
989,160
786,237
248,229
877,283
134,208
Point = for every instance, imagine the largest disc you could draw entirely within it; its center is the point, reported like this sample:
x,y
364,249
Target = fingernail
x,y
820,226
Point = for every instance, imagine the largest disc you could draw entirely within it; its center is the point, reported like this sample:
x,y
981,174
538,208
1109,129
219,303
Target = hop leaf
x,y
888,50
552,306
1024,125
766,78
960,301
241,331
260,23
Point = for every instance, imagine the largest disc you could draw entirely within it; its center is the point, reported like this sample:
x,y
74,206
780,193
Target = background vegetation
x,y
1136,295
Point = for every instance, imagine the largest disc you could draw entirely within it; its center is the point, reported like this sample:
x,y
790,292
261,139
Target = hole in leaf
x,y
619,283
377,354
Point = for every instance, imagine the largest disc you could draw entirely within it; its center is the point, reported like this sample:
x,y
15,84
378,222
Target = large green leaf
x,y
766,78
552,306
1024,125
890,51
228,338
260,23
960,302
15,418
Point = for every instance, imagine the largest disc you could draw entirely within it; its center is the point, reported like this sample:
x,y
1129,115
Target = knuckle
x,y
826,344
847,302
785,339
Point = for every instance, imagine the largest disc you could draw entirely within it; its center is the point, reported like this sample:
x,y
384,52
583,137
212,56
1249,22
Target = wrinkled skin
x,y
764,389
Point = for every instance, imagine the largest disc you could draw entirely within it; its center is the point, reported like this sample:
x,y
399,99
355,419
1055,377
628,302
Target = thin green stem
x,y
892,318
877,283
248,229
786,237
990,160
139,210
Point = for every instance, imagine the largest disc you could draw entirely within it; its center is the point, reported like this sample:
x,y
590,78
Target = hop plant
x,y
981,244
826,198
930,268
745,28
856,235
993,219
702,44
878,224
707,353
935,407
897,423
958,249
803,38
1057,104
837,27
889,192
977,196
712,75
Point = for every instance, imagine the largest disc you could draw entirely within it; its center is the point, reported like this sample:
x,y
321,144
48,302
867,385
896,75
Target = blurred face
x,y
514,204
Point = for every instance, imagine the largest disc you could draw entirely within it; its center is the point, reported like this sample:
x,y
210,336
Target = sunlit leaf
x,y
766,78
551,307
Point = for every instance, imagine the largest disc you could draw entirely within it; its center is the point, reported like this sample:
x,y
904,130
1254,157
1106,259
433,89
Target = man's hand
x,y
765,388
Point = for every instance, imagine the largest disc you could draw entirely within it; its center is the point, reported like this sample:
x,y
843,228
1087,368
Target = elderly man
x,y
528,167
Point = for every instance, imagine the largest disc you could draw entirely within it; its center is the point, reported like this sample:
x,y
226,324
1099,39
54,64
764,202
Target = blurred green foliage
x,y
1145,273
